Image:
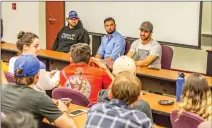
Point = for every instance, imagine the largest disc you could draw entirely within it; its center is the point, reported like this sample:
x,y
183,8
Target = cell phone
x,y
166,102
77,112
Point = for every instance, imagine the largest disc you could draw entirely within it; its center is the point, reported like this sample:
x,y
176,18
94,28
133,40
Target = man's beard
x,y
111,32
73,26
146,38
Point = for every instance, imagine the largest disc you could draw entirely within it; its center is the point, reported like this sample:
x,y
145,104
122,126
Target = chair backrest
x,y
167,55
77,97
186,120
10,77
127,47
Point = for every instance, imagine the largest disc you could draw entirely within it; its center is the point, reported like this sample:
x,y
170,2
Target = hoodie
x,y
66,37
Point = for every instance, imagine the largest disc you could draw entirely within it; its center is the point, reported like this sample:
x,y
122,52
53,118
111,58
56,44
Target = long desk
x,y
152,99
161,81
52,59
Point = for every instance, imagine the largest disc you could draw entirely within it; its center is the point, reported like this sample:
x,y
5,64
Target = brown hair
x,y
196,96
23,80
109,19
25,38
126,87
80,52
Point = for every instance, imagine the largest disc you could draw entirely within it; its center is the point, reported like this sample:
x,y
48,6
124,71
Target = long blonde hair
x,y
196,97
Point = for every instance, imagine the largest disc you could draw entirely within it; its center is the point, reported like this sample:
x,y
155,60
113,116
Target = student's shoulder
x,y
155,42
13,59
119,34
138,113
97,107
136,42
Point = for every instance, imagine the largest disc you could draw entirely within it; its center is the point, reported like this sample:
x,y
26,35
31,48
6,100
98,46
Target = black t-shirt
x,y
20,97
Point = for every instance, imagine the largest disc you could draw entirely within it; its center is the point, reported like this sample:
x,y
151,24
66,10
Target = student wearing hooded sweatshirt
x,y
71,34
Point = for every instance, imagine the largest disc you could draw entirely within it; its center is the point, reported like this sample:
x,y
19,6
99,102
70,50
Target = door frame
x,y
46,16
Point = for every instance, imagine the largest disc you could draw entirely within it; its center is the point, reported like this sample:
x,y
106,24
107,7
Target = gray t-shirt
x,y
20,97
153,48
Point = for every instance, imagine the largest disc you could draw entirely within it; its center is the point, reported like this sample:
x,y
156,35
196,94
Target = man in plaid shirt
x,y
126,90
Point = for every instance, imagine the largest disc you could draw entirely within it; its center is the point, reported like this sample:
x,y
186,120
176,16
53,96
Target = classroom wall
x,y
30,16
206,18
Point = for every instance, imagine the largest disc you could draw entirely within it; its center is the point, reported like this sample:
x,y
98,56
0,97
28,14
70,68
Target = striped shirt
x,y
116,114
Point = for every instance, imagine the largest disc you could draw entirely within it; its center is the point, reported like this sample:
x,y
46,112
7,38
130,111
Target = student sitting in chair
x,y
196,97
21,95
81,76
28,43
146,51
125,63
118,113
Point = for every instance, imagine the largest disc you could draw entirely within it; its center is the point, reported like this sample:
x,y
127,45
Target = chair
x,y
128,44
186,120
77,97
10,77
167,55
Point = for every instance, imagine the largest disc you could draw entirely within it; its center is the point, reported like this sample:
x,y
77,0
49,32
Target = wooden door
x,y
55,20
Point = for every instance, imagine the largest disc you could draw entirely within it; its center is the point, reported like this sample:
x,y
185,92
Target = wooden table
x,y
161,81
152,99
52,59
209,63
79,120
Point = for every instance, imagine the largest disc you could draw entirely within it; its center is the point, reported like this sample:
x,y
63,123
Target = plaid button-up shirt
x,y
116,114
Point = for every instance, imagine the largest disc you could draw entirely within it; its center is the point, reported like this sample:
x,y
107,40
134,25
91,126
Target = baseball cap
x,y
28,63
146,26
124,63
73,14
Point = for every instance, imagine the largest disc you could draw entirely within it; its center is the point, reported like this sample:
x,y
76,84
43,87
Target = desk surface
x,y
42,52
164,74
169,75
79,120
152,99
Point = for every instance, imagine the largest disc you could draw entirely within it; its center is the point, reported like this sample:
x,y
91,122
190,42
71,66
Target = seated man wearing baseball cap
x,y
22,96
71,34
121,64
146,51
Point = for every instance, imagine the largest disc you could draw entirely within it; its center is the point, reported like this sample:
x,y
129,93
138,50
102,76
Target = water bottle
x,y
179,85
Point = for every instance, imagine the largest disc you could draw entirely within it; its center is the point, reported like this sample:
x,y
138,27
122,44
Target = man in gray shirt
x,y
146,51
20,96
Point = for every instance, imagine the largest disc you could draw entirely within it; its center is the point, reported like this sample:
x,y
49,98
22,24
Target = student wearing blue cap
x,y
28,43
71,34
21,95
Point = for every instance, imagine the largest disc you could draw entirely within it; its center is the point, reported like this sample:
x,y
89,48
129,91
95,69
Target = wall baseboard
x,y
206,35
180,70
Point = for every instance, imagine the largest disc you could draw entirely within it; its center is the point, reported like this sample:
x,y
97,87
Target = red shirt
x,y
85,78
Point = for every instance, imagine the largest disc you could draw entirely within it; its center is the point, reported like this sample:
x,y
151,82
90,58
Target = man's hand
x,y
52,73
98,63
62,107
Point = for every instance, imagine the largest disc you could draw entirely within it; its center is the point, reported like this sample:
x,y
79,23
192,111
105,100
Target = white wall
x,y
24,18
206,18
30,16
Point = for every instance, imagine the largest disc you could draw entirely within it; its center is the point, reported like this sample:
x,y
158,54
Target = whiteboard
x,y
174,22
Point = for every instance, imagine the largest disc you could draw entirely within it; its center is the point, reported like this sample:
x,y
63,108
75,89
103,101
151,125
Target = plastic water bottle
x,y
179,85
